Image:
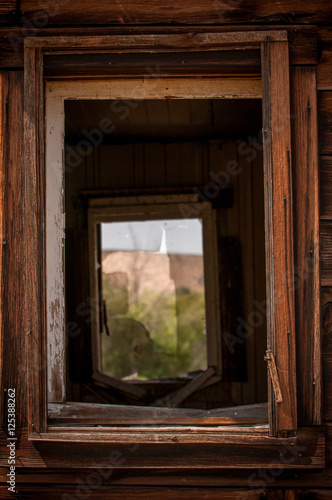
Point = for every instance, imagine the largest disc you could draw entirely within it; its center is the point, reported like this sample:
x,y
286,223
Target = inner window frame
x,y
159,207
57,92
274,52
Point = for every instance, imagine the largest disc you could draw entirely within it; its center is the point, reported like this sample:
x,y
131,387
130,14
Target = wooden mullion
x,y
279,233
306,243
34,240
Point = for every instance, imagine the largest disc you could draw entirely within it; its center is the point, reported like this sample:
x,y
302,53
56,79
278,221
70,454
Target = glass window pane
x,y
153,288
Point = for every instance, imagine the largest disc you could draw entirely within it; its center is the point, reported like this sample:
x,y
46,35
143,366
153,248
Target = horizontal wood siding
x,y
187,12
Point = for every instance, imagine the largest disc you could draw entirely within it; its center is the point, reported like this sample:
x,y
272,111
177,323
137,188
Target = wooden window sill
x,y
181,447
119,415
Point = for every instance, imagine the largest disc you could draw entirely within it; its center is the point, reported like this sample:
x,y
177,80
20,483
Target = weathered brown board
x,y
324,66
326,253
279,232
187,12
325,171
134,415
44,480
326,301
325,122
306,243
57,492
302,46
170,449
13,335
34,247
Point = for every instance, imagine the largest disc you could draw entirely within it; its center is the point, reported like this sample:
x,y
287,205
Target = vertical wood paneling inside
x,y
259,308
325,122
246,223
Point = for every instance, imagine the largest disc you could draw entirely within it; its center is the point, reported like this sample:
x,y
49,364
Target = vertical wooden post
x,y
12,334
306,243
279,232
35,238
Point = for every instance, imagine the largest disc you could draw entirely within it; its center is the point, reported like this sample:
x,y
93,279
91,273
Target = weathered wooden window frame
x,y
279,251
150,208
57,92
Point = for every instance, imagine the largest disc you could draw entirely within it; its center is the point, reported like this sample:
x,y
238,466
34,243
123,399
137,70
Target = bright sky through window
x,y
174,236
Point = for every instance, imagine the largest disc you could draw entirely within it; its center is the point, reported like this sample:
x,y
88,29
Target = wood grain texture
x,y
327,369
141,493
231,62
302,44
326,253
326,299
134,415
325,122
8,12
40,479
13,338
169,449
156,42
26,452
279,232
325,172
157,88
53,247
306,243
34,237
314,494
56,492
188,12
324,67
